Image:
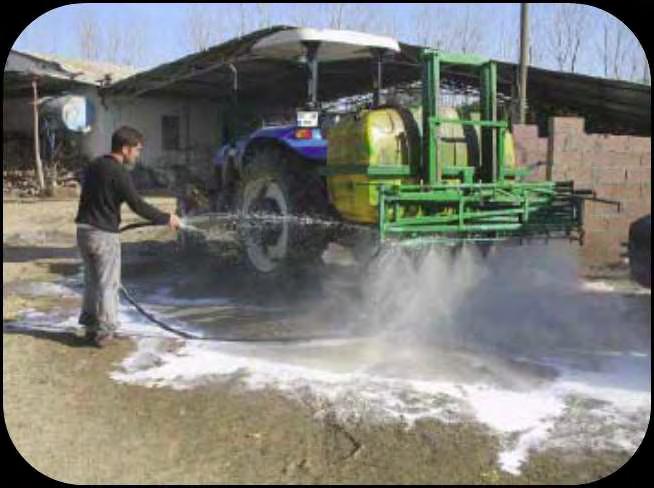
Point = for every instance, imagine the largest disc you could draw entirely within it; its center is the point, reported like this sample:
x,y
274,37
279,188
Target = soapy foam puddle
x,y
571,398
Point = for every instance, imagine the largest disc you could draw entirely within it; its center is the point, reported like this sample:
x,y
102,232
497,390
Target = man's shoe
x,y
89,336
103,338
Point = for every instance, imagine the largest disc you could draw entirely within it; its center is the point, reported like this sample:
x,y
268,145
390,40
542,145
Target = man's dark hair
x,y
125,136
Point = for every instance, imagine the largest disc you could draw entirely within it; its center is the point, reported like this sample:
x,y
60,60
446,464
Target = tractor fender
x,y
314,149
258,144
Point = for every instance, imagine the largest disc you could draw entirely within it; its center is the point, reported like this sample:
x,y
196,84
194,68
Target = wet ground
x,y
534,373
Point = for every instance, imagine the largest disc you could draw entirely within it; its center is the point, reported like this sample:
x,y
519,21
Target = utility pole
x,y
524,62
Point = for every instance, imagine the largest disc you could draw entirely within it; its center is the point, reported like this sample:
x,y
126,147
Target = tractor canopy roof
x,y
335,45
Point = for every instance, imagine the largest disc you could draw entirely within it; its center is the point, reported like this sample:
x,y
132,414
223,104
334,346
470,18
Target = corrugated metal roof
x,y
617,105
86,71
56,73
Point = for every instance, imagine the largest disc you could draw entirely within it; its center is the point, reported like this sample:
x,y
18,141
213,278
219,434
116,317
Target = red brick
x,y
582,174
598,158
612,143
560,174
606,209
598,143
538,174
525,131
639,174
592,220
639,144
633,209
614,190
610,175
567,158
633,206
574,142
540,154
566,124
617,160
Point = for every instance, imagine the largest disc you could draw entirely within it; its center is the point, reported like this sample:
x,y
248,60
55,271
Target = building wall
x,y
615,167
198,133
17,115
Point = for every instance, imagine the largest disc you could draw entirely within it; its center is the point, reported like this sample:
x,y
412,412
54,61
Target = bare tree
x,y
538,23
638,65
508,41
423,32
467,33
200,27
646,77
242,18
566,34
429,29
620,54
48,40
304,15
247,17
362,17
389,27
263,17
113,43
136,42
336,15
89,36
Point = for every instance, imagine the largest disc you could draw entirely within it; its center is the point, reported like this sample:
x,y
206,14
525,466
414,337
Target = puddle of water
x,y
532,398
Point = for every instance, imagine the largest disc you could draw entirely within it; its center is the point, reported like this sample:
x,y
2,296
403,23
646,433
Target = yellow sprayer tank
x,y
390,137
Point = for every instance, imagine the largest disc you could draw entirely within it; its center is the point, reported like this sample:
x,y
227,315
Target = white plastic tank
x,y
75,112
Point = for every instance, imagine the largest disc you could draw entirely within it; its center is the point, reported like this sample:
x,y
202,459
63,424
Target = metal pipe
x,y
192,74
312,62
235,73
378,54
524,61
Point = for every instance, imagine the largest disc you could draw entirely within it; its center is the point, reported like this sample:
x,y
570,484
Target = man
x,y
106,184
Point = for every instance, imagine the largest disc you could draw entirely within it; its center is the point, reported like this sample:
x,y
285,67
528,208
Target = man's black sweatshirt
x,y
106,184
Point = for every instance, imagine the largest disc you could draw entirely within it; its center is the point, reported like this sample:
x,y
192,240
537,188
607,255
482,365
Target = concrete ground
x,y
295,397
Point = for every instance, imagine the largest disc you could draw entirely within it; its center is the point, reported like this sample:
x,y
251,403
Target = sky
x,y
161,27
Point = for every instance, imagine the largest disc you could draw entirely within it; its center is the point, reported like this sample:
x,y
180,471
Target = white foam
x,y
600,286
52,289
524,420
531,414
355,379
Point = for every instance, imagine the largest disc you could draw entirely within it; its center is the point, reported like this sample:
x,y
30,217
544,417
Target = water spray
x,y
187,227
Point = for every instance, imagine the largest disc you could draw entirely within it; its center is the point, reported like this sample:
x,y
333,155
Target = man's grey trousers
x,y
100,252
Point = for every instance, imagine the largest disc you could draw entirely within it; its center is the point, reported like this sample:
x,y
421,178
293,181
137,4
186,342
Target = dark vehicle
x,y
640,250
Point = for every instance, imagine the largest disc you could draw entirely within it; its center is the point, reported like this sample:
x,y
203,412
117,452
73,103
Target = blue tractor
x,y
274,171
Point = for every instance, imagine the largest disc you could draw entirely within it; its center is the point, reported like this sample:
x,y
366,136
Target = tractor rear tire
x,y
278,187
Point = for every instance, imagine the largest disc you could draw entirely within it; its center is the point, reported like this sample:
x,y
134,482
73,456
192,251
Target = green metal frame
x,y
490,201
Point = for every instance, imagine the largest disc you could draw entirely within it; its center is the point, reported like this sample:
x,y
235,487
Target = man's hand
x,y
174,222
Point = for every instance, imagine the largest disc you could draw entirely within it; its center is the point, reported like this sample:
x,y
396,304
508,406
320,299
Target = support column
x,y
37,149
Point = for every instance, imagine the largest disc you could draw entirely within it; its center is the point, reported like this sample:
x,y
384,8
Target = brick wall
x,y
530,149
616,167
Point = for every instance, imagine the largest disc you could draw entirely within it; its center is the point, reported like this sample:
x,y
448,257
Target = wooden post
x,y
37,150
